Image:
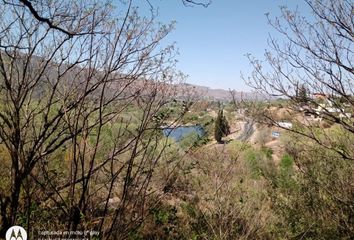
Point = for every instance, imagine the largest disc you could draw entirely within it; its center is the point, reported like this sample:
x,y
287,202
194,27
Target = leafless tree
x,y
318,54
82,89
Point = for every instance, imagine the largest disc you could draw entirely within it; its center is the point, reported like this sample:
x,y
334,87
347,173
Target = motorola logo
x,y
16,233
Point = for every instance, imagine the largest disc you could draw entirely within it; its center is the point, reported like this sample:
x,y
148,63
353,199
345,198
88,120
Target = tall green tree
x,y
302,94
222,127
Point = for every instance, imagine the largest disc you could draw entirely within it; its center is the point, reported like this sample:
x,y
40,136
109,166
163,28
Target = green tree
x,y
302,94
222,127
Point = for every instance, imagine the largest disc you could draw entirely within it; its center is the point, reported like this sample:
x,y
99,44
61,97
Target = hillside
x,y
222,94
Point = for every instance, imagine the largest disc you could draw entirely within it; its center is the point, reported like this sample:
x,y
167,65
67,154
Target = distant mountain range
x,y
75,78
221,94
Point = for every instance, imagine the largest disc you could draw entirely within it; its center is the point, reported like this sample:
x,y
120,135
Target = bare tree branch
x,y
200,3
50,24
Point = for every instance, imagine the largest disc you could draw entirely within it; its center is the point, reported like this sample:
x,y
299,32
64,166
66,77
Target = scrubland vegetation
x,y
85,93
237,191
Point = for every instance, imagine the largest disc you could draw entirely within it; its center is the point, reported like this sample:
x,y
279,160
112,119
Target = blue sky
x,y
213,41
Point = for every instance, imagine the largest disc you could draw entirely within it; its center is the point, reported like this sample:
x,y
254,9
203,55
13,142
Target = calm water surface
x,y
178,133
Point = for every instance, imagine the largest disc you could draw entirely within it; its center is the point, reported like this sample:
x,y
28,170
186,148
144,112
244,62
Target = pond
x,y
178,133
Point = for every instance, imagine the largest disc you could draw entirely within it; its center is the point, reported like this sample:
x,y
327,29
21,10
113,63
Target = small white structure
x,y
323,108
327,107
287,125
275,134
345,115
